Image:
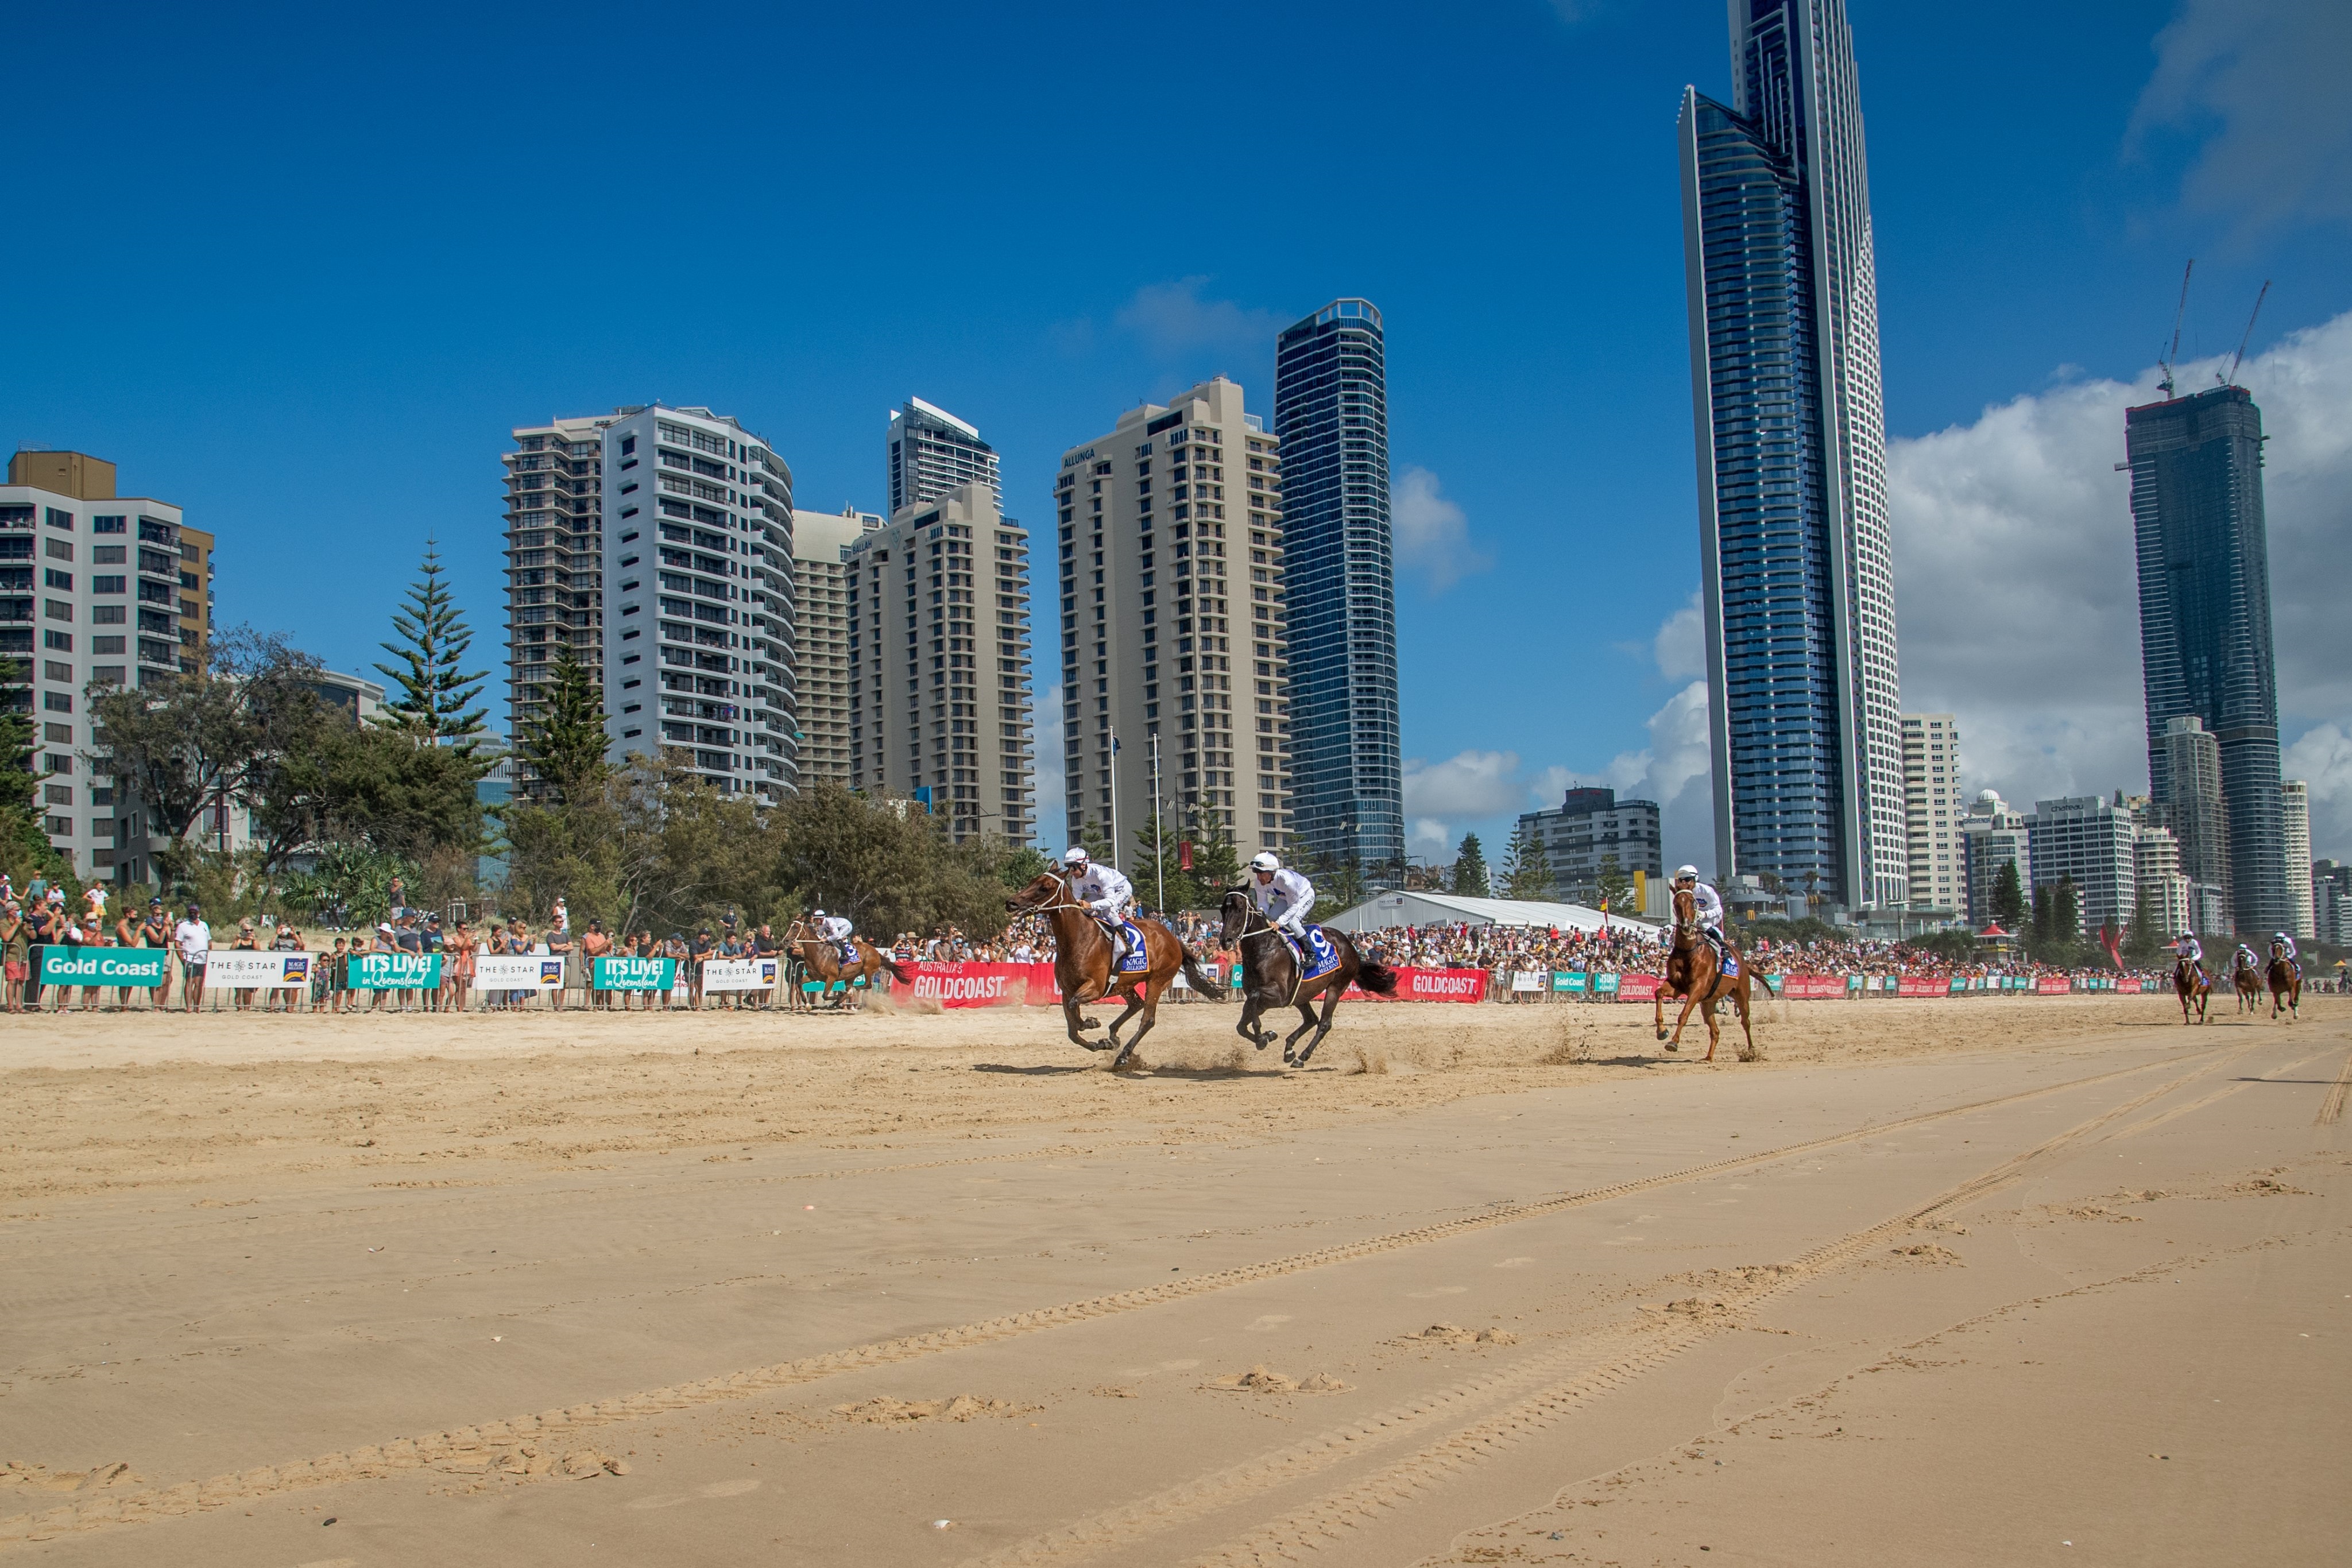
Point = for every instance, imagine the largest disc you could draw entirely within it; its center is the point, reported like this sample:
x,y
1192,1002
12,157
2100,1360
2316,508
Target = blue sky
x,y
301,269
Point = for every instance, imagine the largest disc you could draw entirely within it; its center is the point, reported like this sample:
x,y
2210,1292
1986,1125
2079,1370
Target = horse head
x,y
1236,909
1686,909
1041,891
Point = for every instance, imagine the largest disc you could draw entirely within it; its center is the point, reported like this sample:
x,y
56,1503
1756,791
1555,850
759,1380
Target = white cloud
x,y
2017,593
2263,81
1430,840
1680,646
1432,536
1172,318
1470,784
2323,760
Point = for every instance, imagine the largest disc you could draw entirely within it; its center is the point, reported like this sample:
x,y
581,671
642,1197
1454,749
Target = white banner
x,y
739,975
1530,980
258,971
517,972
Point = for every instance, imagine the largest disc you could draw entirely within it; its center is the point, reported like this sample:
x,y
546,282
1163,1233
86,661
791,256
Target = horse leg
x,y
1739,999
1714,1029
1247,1029
1658,998
1323,1026
1306,1022
1070,1013
1146,1000
1683,1017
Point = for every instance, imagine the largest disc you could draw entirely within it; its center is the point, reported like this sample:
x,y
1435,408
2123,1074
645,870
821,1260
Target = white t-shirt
x,y
194,938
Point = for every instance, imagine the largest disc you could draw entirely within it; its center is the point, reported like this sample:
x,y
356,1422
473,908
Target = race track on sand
x,y
2014,1280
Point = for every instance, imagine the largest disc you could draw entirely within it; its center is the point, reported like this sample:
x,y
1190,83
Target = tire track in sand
x,y
373,1461
1328,1520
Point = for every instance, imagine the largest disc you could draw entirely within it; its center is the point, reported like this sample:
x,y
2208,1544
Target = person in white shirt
x,y
836,929
1708,906
2282,945
1104,891
193,940
2185,945
1281,896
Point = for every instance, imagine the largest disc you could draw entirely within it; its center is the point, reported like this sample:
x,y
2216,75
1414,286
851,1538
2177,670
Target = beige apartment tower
x,y
1174,628
1932,811
821,542
938,661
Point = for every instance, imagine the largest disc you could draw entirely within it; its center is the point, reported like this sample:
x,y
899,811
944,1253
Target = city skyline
x,y
308,306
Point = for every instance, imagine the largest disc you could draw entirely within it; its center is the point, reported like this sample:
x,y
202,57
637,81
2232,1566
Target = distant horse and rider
x,y
2246,980
1287,963
1099,953
2286,978
1701,967
826,949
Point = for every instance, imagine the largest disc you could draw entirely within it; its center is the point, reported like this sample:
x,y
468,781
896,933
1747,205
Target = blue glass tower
x,y
1803,697
2205,624
1332,412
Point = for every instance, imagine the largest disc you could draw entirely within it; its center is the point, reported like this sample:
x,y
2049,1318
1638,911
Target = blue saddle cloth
x,y
1320,957
1730,961
849,951
1134,960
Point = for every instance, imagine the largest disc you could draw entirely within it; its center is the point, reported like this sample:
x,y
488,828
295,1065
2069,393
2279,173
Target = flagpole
x,y
1159,831
1114,799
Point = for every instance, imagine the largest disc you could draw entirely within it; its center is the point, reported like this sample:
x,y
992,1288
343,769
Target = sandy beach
x,y
1980,1281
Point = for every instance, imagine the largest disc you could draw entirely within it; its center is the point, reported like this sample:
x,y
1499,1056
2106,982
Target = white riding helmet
x,y
1074,856
818,915
1685,870
1265,860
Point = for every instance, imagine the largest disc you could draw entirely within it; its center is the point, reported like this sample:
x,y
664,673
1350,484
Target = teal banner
x,y
1605,985
102,966
396,972
636,974
1853,984
1567,980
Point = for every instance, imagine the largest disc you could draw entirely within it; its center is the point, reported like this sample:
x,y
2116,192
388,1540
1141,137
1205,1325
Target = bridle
x,y
1062,891
1263,928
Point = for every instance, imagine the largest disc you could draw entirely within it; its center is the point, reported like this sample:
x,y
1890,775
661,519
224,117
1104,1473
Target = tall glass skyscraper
x,y
1803,700
1332,412
2205,626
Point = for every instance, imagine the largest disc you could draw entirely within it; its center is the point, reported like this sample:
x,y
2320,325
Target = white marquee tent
x,y
1445,909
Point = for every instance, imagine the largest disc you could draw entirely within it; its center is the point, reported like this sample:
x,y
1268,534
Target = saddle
x,y
849,950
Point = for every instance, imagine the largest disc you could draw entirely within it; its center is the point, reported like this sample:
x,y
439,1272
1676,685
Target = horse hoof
x,y
1671,1046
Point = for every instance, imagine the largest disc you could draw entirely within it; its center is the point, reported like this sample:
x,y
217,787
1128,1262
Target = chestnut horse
x,y
2286,984
2246,980
1270,977
820,958
1693,975
1082,965
2193,985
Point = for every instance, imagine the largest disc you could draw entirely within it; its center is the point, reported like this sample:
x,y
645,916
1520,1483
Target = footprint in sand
x,y
716,1489
1514,1263
1266,1323
1163,1366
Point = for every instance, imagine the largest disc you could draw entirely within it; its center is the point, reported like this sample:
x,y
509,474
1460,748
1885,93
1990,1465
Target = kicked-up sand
x,y
1993,1279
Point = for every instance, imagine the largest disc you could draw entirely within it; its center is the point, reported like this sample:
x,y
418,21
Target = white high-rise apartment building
x,y
658,541
939,664
821,546
1174,628
2156,871
1932,811
1993,836
932,452
92,593
2091,840
2294,827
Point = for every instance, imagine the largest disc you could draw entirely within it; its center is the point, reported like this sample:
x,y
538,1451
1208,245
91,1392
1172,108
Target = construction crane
x,y
2244,338
2164,361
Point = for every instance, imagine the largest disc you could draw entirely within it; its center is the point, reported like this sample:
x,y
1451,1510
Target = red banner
x,y
1430,985
1814,986
977,985
2052,986
1923,986
2128,985
1638,988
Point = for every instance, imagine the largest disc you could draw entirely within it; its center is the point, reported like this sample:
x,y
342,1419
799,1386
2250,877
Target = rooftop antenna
x,y
2164,361
2246,337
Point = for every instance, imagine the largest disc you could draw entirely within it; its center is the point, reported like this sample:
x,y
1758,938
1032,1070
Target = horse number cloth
x,y
1133,960
1321,957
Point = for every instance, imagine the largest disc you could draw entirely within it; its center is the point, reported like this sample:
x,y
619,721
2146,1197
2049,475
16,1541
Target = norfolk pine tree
x,y
1526,873
565,744
1470,869
435,686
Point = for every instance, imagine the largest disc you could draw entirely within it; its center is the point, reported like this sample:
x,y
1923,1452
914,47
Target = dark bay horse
x,y
1082,965
821,960
1693,974
2286,984
2246,980
2193,985
1270,977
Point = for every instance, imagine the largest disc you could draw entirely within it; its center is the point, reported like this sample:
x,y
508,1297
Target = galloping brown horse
x,y
821,960
1270,972
1693,974
2286,984
1082,965
2246,980
2193,985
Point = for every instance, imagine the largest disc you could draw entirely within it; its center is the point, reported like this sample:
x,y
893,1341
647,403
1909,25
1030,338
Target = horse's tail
x,y
1197,978
1377,979
1765,981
